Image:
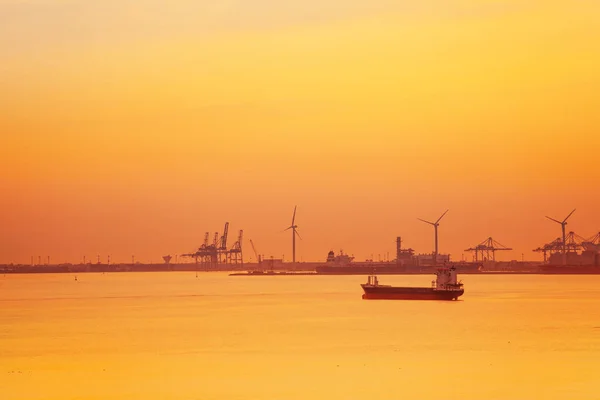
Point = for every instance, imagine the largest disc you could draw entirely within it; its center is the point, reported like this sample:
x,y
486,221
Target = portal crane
x,y
487,249
240,239
211,254
594,239
555,245
571,244
235,254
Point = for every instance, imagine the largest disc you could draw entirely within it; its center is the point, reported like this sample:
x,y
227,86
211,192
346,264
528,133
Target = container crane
x,y
487,249
235,254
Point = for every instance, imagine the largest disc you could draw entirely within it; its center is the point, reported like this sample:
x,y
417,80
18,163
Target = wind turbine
x,y
563,224
435,227
293,227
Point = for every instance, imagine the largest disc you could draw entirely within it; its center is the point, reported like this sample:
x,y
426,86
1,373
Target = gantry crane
x,y
572,243
223,254
487,249
217,252
235,254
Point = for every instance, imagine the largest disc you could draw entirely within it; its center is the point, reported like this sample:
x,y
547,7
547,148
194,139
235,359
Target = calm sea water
x,y
175,336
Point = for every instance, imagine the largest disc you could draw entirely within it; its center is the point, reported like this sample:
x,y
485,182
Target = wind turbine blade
x,y
295,230
294,216
565,220
287,229
440,218
552,219
427,222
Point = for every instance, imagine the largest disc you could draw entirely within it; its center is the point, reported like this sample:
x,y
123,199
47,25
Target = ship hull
x,y
408,293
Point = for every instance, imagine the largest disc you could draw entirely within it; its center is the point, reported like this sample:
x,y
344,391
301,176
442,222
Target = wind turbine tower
x,y
294,227
563,224
435,228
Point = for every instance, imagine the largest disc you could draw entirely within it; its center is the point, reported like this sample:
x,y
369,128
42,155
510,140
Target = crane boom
x,y
224,237
254,249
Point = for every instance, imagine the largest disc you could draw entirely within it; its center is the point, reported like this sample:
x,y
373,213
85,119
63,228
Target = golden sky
x,y
129,130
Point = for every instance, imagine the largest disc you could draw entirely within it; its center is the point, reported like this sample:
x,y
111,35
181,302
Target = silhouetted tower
x,y
398,249
294,227
435,227
563,224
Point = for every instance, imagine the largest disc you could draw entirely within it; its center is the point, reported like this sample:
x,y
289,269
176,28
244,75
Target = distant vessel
x,y
445,287
343,264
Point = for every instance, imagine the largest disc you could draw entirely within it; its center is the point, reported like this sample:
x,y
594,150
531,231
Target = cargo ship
x,y
445,287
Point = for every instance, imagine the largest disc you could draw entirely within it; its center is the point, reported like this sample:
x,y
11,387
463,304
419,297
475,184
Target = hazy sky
x,y
134,130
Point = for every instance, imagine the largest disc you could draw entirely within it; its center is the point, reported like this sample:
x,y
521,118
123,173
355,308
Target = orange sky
x,y
133,131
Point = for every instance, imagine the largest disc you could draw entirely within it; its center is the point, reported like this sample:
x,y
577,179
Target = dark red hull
x,y
408,293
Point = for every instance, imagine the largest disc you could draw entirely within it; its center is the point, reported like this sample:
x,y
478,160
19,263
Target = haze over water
x,y
174,336
132,129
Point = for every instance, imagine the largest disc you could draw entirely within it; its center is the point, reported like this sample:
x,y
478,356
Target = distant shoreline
x,y
285,269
